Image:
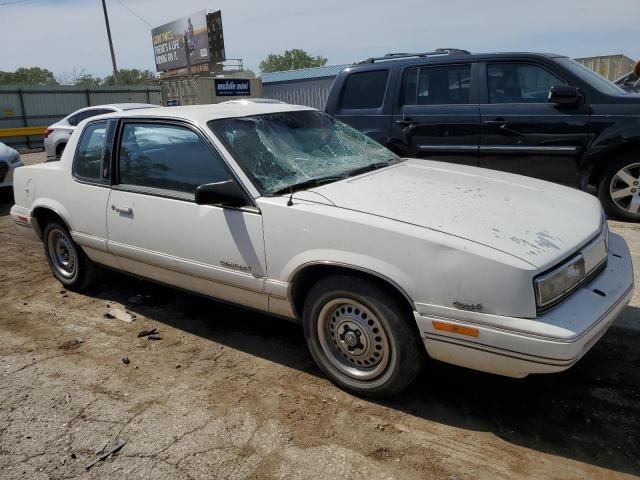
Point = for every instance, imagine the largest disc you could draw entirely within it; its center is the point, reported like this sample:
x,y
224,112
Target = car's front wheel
x,y
361,336
619,189
67,261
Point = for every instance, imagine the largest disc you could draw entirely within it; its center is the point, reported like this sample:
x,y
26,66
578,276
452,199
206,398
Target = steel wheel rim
x,y
354,340
624,189
62,253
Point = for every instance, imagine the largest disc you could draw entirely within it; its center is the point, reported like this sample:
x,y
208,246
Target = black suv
x,y
541,115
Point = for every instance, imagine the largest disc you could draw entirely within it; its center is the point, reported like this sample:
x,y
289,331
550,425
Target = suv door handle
x,y
498,121
407,122
122,210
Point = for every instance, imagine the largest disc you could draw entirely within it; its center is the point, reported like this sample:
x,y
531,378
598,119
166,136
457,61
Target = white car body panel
x,y
445,236
216,236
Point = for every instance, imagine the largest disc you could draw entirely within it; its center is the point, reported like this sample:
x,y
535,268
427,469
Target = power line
x,y
134,13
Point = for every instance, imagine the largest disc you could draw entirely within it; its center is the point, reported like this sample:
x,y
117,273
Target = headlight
x,y
15,158
556,284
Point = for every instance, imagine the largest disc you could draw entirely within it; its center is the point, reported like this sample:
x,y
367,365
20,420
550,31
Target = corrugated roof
x,y
302,74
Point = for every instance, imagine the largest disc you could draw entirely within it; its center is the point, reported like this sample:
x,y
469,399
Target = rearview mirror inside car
x,y
223,194
564,95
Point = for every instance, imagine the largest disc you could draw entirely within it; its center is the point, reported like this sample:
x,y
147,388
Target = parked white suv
x,y
283,209
57,135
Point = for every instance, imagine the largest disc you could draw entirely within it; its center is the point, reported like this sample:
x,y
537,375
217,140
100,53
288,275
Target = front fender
x,y
619,135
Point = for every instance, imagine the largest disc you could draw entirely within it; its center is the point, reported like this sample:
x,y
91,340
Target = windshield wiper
x,y
368,168
312,182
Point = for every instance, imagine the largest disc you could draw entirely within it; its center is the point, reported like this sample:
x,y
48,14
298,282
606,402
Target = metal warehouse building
x,y
611,67
307,86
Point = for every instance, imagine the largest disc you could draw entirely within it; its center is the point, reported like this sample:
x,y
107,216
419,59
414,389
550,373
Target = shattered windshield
x,y
285,150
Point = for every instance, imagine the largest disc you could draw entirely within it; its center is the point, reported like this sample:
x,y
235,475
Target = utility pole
x,y
113,55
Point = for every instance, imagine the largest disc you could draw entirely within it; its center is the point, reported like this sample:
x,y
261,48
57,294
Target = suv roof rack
x,y
436,52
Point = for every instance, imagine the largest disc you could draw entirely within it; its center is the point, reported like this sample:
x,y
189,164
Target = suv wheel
x,y
67,261
359,337
619,189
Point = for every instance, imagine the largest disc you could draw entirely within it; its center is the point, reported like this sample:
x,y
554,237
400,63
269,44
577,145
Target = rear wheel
x,y
619,189
60,150
361,336
67,261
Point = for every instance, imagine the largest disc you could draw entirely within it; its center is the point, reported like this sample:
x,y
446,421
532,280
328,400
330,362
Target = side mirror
x,y
564,95
227,194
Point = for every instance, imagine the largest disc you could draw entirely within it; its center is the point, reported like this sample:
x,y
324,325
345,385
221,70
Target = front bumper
x,y
549,343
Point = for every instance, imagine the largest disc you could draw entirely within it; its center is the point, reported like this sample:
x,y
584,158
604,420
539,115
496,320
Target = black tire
x,y
616,207
83,272
377,319
60,150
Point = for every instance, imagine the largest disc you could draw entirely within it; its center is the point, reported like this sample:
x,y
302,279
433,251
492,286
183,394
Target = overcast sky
x,y
65,34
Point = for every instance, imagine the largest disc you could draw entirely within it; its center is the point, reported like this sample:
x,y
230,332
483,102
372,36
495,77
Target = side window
x,y
78,117
519,83
168,157
365,90
443,85
88,159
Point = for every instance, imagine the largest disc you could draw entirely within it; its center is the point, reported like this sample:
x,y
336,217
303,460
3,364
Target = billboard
x,y
199,34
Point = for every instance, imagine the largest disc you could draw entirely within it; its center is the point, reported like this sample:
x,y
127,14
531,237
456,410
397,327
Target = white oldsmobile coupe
x,y
283,209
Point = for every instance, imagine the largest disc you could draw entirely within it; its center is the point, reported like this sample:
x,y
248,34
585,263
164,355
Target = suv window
x,y
365,89
78,117
519,83
88,159
437,85
168,157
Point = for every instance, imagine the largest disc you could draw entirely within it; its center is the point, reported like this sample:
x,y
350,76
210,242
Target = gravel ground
x,y
228,393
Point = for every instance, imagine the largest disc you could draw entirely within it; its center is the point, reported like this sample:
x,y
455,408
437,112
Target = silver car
x,y
9,161
57,135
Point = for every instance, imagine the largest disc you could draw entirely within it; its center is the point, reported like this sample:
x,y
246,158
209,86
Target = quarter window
x,y
365,90
88,159
444,85
167,157
519,83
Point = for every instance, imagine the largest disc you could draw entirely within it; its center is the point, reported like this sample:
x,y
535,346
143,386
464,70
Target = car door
x,y
436,116
522,132
156,229
85,199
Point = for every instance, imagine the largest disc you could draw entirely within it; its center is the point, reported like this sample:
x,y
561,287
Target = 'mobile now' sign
x,y
232,87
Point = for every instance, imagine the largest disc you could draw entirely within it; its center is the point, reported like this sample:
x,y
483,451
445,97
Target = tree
x,y
80,78
131,76
290,60
87,80
28,76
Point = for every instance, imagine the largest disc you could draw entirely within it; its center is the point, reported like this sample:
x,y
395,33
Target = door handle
x,y
407,122
122,210
497,121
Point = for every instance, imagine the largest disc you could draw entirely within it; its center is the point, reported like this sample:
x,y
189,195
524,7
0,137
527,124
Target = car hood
x,y
536,221
6,152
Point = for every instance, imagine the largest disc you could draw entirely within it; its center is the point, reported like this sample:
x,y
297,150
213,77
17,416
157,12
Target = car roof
x,y
115,106
443,57
205,113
